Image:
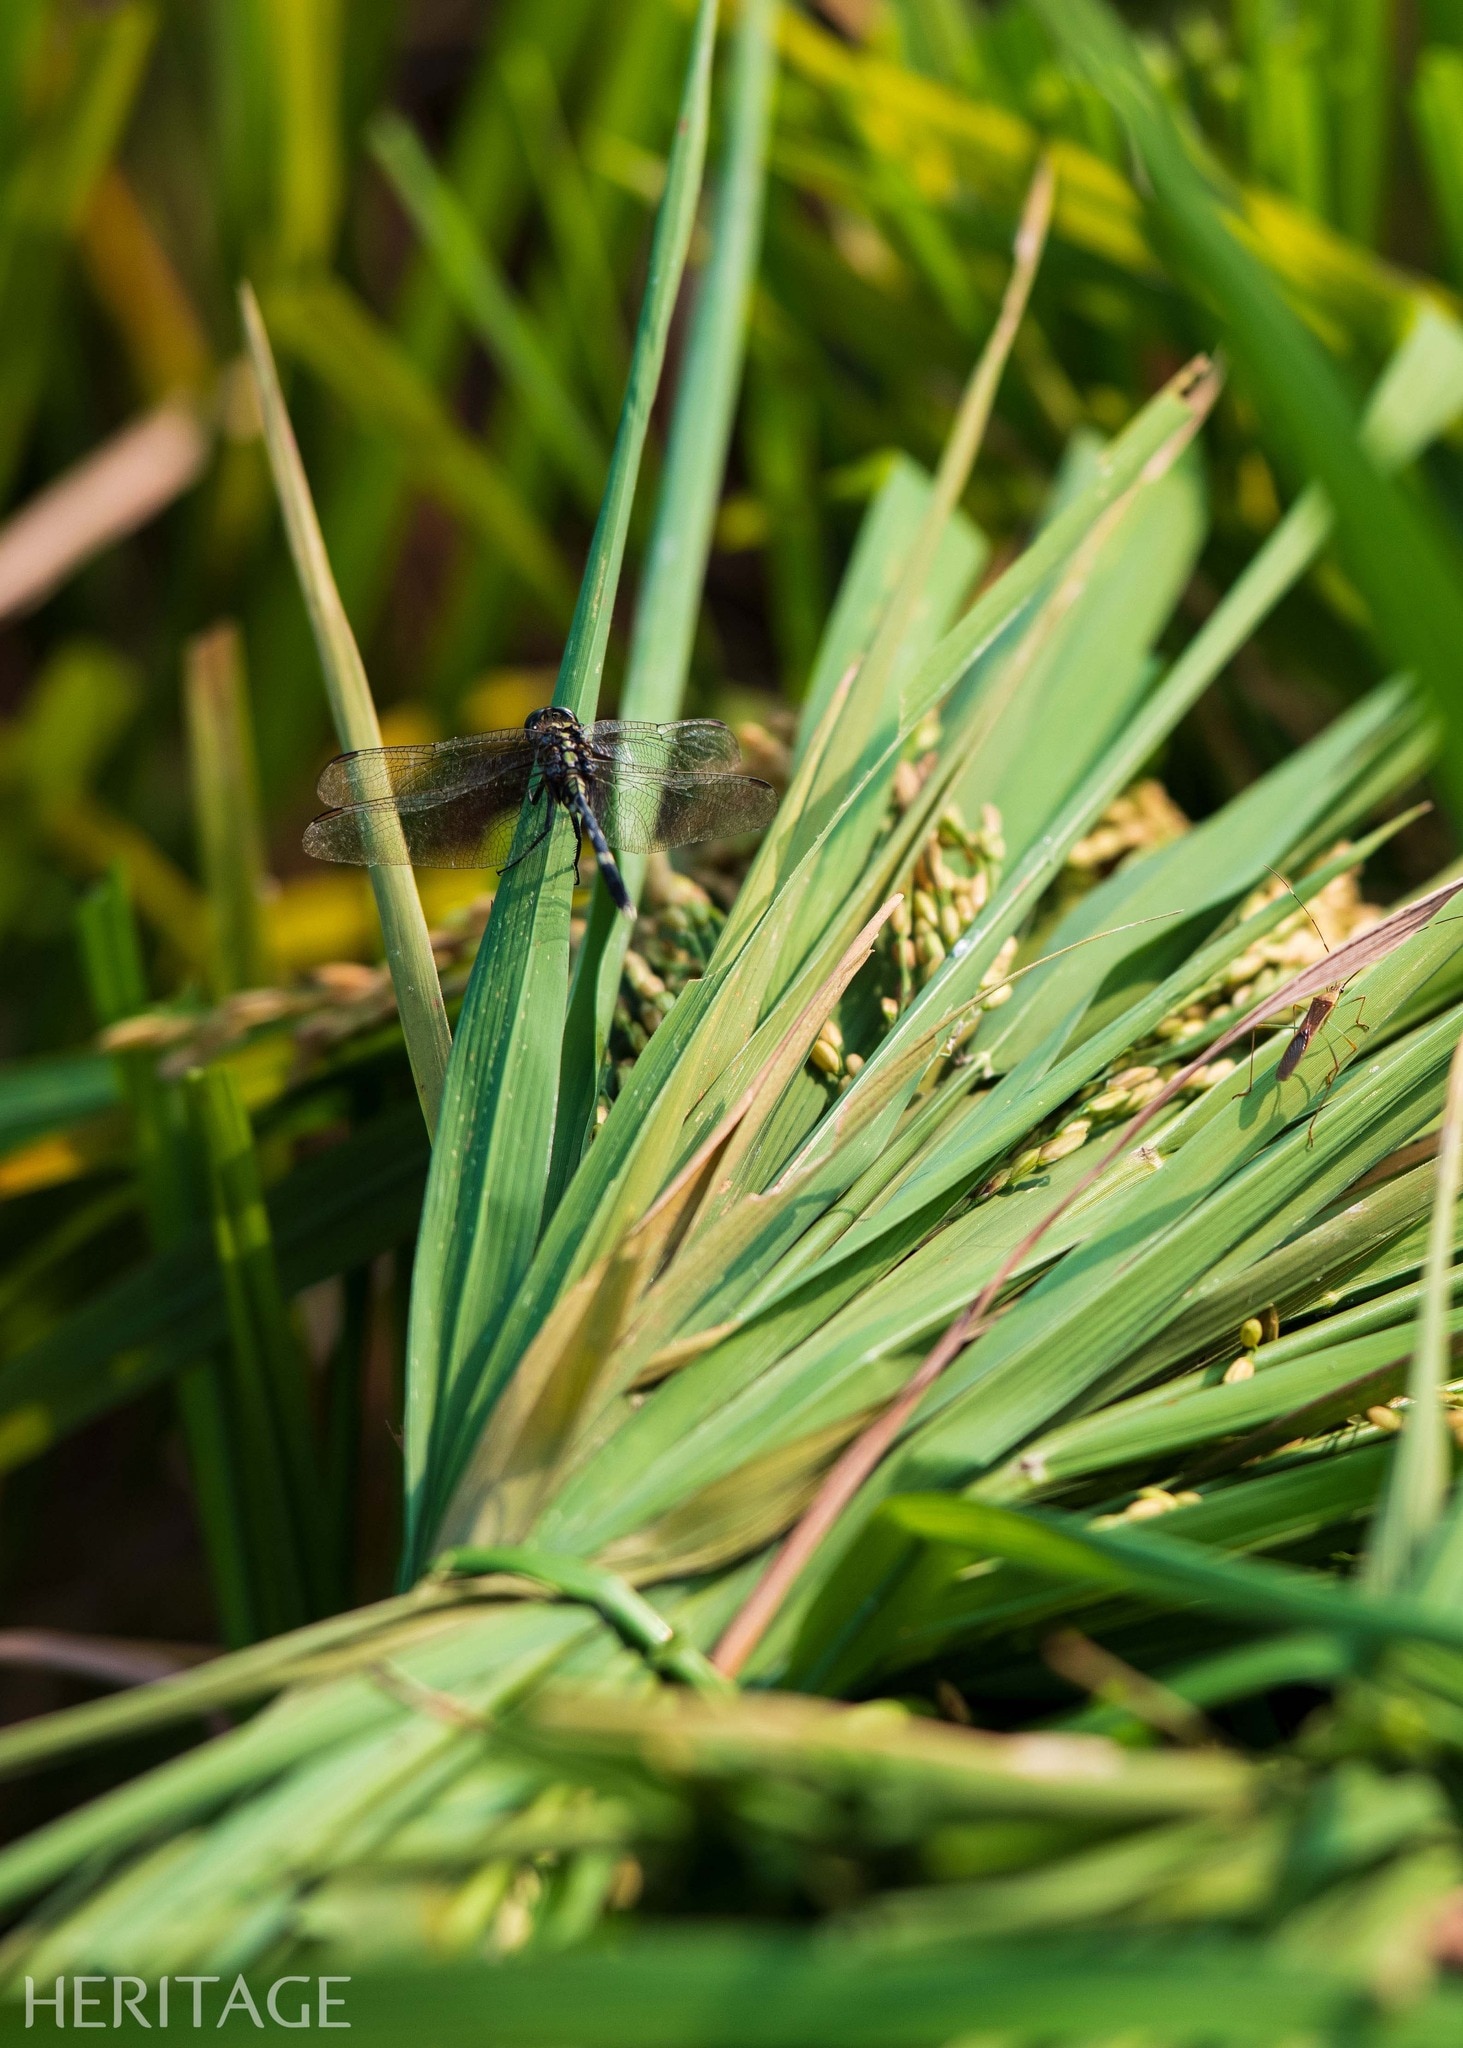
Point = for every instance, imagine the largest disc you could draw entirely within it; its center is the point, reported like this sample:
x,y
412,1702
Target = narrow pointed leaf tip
x,y
403,924
491,1184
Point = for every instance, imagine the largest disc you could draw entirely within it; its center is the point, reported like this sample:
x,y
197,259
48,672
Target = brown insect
x,y
1318,1009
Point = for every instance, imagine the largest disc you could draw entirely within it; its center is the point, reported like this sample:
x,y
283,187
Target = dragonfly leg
x,y
538,840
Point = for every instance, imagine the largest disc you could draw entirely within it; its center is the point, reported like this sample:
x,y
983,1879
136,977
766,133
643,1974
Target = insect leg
x,y
1326,1086
1251,1088
1356,1022
539,838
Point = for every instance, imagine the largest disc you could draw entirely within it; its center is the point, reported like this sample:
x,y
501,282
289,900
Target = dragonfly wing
x,y
686,746
472,829
441,768
642,813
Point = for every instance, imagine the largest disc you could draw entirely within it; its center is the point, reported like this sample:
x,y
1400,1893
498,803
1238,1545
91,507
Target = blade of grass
x,y
1363,82
1195,1410
1167,1569
938,1767
664,1648
669,599
46,198
487,302
572,216
782,433
1418,1487
328,1215
226,814
281,1500
403,925
303,48
886,534
485,1197
660,1988
112,959
137,282
325,326
887,1608
1391,542
1437,115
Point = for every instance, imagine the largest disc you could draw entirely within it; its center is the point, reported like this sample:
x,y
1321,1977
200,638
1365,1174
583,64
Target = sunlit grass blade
x,y
485,1199
321,323
403,926
1166,1568
1420,1478
669,599
1392,545
141,287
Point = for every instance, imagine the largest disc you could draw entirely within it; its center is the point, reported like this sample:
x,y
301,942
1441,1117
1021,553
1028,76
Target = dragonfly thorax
x,y
560,744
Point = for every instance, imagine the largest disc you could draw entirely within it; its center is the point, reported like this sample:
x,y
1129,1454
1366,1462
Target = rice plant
x,y
927,1421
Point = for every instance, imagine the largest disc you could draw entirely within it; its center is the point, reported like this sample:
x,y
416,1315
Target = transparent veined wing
x,y
644,813
469,828
438,768
686,746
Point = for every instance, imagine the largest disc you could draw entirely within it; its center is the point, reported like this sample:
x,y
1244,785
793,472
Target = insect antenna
x,y
1299,902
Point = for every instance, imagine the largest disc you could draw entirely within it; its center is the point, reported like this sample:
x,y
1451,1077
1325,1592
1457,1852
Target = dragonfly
x,y
626,787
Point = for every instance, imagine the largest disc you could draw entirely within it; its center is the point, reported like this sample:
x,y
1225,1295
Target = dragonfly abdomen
x,y
584,817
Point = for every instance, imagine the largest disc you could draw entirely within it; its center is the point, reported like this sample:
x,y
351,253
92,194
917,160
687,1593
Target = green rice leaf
x,y
485,1202
1419,1487
1167,1569
1390,541
403,926
319,322
487,302
669,599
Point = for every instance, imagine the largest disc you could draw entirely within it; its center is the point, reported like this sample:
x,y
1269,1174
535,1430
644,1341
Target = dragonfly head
x,y
550,718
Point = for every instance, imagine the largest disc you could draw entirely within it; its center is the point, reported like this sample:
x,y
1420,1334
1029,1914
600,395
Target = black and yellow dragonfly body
x,y
625,787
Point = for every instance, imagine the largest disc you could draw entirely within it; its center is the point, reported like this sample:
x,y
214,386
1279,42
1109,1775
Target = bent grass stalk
x,y
403,923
